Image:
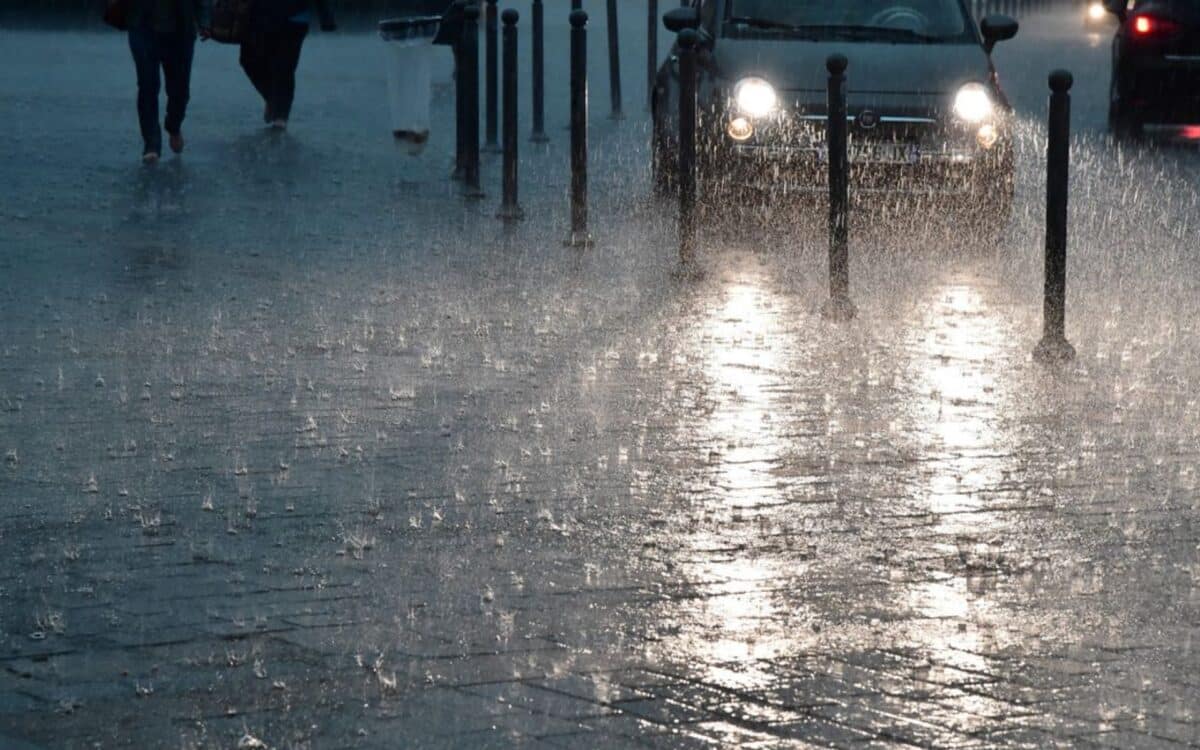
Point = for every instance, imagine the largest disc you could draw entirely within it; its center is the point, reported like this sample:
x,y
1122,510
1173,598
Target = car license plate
x,y
884,153
859,153
874,153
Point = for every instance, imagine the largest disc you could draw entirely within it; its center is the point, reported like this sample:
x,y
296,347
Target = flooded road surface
x,y
301,449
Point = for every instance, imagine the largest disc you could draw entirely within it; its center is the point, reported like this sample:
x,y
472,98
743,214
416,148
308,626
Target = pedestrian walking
x,y
162,36
271,51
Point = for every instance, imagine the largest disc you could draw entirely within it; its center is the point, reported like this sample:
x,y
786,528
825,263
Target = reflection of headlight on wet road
x,y
972,103
754,97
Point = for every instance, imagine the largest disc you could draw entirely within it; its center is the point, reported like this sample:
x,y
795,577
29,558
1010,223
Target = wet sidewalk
x,y
301,449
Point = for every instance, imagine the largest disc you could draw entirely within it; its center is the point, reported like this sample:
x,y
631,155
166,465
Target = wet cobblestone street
x,y
303,450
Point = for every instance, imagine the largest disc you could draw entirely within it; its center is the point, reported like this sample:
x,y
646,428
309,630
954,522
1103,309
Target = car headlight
x,y
987,135
739,129
754,97
973,104
1096,11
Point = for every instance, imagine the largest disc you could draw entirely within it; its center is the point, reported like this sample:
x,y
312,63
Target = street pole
x,y
839,307
688,38
614,60
1054,347
539,73
579,236
471,188
490,51
460,112
510,209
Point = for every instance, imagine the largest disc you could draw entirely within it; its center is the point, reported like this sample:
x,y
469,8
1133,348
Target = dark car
x,y
1155,64
927,115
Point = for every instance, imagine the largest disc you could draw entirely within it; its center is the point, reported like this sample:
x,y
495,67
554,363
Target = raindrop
x,y
250,742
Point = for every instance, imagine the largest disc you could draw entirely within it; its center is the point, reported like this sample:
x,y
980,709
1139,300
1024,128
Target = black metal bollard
x,y
1054,347
492,82
688,39
614,60
460,101
651,49
470,77
510,210
460,115
579,236
839,307
539,73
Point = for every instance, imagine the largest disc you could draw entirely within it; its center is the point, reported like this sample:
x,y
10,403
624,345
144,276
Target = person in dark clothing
x,y
162,35
271,51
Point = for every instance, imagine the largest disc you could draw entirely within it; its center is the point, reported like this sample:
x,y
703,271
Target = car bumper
x,y
945,172
1164,89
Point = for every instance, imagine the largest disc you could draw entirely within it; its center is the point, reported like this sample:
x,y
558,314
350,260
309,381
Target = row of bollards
x,y
466,61
500,115
1053,347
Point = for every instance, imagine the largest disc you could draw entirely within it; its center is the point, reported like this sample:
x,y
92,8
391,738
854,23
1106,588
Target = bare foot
x,y
279,124
176,141
150,157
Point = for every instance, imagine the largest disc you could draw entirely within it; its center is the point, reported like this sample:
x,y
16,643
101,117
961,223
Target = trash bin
x,y
411,59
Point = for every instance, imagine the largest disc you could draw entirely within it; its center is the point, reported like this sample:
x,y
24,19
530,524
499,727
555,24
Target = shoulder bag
x,y
230,20
116,14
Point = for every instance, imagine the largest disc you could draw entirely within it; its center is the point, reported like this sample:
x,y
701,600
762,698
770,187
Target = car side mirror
x,y
1116,7
678,19
997,28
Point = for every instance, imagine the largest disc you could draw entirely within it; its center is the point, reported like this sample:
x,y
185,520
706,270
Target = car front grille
x,y
802,125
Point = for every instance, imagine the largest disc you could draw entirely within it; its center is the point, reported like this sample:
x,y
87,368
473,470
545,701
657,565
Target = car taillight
x,y
1145,26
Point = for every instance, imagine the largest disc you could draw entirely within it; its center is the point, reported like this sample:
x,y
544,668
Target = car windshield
x,y
883,20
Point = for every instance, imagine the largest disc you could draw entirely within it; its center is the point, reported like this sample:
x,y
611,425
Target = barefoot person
x,y
162,35
271,51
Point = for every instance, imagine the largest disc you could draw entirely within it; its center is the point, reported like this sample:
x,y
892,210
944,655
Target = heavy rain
x,y
303,447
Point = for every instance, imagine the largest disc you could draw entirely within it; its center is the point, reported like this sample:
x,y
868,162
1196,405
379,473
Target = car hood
x,y
875,68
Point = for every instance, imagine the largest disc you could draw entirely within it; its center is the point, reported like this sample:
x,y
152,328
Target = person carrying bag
x,y
271,51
